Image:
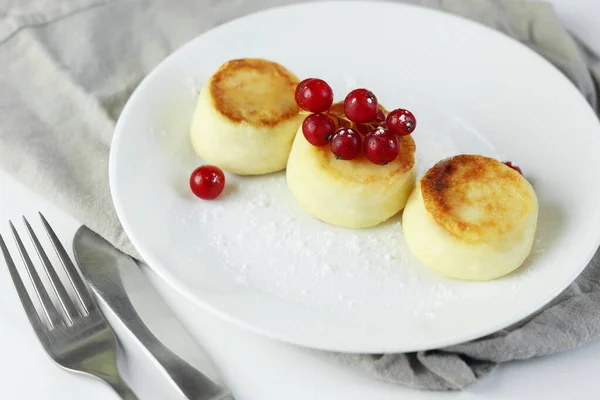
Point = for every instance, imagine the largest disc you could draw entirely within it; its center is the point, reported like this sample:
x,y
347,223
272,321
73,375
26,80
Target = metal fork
x,y
80,341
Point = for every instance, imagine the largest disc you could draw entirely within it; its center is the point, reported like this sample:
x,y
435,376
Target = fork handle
x,y
122,389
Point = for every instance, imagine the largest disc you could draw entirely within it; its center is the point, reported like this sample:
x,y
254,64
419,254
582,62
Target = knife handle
x,y
191,382
107,285
104,269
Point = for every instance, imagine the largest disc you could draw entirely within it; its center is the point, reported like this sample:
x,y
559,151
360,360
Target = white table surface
x,y
257,368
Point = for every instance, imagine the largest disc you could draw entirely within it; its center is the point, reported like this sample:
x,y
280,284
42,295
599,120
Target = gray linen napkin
x,y
67,68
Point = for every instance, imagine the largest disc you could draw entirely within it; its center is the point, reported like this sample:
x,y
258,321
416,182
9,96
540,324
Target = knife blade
x,y
105,268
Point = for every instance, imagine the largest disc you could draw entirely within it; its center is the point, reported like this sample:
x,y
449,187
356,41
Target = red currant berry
x,y
361,106
318,129
381,146
207,182
511,165
346,144
401,122
380,118
314,95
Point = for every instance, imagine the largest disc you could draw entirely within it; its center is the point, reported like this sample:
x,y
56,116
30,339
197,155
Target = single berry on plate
x,y
381,146
207,182
314,95
346,144
513,166
401,122
318,129
361,106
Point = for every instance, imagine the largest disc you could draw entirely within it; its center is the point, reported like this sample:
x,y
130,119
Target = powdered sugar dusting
x,y
278,249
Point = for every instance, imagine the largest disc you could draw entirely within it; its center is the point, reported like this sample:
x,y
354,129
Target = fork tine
x,y
53,317
59,288
30,310
80,288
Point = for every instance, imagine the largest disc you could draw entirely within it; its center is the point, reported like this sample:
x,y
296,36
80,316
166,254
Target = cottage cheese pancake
x,y
246,117
352,194
471,217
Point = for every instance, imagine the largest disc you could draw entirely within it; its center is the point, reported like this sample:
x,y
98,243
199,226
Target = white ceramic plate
x,y
255,258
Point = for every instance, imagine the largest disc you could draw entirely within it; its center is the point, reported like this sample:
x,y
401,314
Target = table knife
x,y
105,267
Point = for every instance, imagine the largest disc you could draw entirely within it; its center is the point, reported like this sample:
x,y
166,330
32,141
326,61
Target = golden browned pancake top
x,y
361,170
476,198
256,91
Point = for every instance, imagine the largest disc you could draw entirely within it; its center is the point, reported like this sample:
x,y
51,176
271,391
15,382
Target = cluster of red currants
x,y
362,125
